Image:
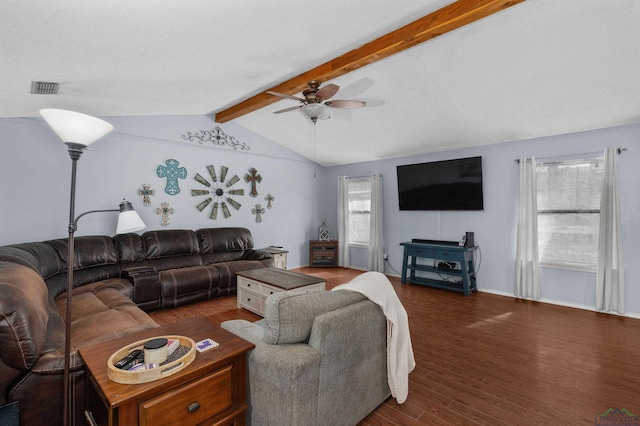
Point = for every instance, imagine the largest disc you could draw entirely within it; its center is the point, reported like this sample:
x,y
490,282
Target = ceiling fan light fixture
x,y
315,111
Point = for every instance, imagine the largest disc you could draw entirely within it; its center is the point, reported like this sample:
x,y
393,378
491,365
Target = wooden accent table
x,y
323,254
255,285
210,390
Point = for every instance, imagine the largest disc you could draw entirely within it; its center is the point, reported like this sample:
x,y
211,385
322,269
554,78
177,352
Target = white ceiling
x,y
539,68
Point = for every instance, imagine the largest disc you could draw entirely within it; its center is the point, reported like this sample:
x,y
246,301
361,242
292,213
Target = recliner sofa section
x,y
188,265
166,268
115,281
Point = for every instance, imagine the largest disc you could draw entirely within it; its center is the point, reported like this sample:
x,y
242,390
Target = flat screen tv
x,y
441,185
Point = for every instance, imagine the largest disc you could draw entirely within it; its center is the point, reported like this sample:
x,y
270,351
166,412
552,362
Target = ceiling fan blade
x,y
327,91
345,104
288,109
282,95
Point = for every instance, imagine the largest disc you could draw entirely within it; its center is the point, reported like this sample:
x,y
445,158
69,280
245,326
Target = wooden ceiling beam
x,y
449,18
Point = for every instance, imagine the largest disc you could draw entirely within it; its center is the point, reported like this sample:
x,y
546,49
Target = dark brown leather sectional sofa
x,y
116,279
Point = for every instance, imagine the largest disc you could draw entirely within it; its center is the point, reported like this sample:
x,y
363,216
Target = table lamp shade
x,y
128,219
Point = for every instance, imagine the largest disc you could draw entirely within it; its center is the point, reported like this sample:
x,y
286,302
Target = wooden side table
x,y
279,256
323,253
212,389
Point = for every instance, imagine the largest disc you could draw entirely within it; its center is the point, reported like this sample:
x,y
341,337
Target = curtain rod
x,y
568,156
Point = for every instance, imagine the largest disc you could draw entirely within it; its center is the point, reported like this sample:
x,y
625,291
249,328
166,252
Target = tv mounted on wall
x,y
441,185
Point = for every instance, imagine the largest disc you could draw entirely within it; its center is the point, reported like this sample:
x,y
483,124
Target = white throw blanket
x,y
400,362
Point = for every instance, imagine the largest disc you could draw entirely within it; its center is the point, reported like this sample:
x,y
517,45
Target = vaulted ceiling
x,y
536,68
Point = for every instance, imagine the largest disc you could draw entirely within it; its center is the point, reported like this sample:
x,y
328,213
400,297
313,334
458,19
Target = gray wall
x,y
34,190
495,227
36,172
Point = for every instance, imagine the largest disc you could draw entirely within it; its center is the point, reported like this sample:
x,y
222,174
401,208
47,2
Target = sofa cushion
x,y
102,311
171,248
24,315
48,262
170,242
89,251
289,316
177,284
223,244
129,247
21,257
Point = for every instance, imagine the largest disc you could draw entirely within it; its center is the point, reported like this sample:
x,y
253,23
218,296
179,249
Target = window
x,y
569,213
359,211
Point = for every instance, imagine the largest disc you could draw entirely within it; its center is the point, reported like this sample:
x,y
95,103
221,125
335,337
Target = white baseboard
x,y
559,303
634,315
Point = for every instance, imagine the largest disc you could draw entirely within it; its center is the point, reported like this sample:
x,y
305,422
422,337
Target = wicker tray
x,y
160,372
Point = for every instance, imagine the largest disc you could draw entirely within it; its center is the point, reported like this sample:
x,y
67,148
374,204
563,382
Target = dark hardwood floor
x,y
494,360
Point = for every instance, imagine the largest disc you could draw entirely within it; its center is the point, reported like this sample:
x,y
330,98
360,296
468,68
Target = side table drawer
x,y
192,403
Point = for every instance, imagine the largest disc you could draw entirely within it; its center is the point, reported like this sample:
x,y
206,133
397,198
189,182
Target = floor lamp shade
x,y
128,219
77,131
75,127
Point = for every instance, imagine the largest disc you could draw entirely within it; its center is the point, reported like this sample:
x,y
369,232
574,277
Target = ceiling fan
x,y
315,103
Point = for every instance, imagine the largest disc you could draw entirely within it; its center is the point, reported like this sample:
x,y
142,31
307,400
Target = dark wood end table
x,y
212,389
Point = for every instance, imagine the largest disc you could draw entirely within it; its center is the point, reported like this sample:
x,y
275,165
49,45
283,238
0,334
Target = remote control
x,y
127,359
138,359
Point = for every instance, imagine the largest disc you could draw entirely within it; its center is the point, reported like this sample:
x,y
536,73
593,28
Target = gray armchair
x,y
319,359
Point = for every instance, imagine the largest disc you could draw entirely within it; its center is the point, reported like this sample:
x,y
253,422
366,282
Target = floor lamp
x,y
78,131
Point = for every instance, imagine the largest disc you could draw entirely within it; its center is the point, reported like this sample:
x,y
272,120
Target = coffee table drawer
x,y
267,290
250,300
249,284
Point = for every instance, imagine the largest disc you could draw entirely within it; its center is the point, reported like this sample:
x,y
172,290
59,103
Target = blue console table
x,y
443,265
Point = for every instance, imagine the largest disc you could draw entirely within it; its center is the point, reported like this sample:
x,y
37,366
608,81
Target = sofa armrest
x,y
146,286
250,331
256,255
283,379
137,270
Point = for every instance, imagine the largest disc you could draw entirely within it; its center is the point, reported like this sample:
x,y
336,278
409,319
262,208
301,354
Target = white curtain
x,y
376,240
527,272
343,221
610,291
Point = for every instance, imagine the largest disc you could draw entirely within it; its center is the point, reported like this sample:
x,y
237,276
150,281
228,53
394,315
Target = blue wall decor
x,y
172,172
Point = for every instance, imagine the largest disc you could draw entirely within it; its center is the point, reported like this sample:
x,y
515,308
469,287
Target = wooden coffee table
x,y
254,286
212,389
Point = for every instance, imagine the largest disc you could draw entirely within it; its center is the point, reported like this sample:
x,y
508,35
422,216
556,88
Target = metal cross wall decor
x,y
253,178
165,211
258,211
269,199
145,193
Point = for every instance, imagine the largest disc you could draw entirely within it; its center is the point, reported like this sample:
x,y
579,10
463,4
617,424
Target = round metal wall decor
x,y
218,192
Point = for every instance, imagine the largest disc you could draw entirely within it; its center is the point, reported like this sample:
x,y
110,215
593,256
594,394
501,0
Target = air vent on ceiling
x,y
44,88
